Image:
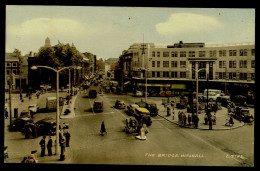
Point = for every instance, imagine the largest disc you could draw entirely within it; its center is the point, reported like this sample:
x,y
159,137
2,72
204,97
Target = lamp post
x,y
57,97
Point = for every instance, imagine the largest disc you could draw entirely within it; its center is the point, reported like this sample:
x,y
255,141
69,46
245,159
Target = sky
x,y
107,31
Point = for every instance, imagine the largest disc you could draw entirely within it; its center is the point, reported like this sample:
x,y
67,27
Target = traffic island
x,y
220,124
68,109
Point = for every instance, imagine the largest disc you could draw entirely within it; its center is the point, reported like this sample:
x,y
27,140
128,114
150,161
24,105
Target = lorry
x,y
51,102
213,94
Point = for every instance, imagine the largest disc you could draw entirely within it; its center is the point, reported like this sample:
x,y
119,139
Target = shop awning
x,y
127,82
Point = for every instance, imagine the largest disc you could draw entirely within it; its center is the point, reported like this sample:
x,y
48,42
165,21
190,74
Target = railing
x,y
229,44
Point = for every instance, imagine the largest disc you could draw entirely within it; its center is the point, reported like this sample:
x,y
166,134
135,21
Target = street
x,y
166,144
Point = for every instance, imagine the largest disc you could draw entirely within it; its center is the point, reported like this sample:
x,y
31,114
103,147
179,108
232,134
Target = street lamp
x,y
57,96
197,87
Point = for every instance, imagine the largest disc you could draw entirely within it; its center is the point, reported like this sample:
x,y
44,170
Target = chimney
x,y
31,54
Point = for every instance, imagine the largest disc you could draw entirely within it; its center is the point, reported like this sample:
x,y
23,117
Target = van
x,y
213,94
51,103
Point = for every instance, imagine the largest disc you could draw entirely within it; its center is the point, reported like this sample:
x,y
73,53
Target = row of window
x,y
13,64
14,71
232,64
166,64
235,76
212,53
166,74
219,75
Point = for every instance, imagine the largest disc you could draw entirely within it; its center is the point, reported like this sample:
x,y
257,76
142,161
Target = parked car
x,y
98,106
26,114
19,123
47,126
243,114
131,108
138,94
92,94
120,104
153,94
33,108
144,115
238,99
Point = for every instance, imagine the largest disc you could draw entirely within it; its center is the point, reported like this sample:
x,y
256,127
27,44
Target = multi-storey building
x,y
174,66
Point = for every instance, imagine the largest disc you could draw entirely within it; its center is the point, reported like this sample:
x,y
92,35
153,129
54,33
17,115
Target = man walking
x,y
49,146
42,144
67,136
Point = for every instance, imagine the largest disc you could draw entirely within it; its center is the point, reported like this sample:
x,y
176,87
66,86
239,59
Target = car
x,y
92,94
19,123
153,94
243,114
46,126
98,106
144,115
120,104
26,114
138,94
150,106
131,108
33,108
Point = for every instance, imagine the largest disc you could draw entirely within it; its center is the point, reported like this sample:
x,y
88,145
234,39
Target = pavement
x,y
18,146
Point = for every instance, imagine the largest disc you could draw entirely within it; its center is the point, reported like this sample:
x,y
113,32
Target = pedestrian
x,y
196,120
210,123
6,113
5,153
67,136
103,128
189,119
42,144
62,145
49,146
24,160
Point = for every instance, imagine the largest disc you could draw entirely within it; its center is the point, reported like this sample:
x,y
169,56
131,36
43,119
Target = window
x,y
153,63
212,53
158,54
182,64
222,53
14,71
232,75
243,52
166,54
7,71
153,74
222,64
253,52
8,64
158,74
232,64
222,75
202,53
232,52
253,64
183,54
243,76
174,74
153,54
243,64
166,64
174,54
191,53
174,64
252,76
182,74
158,64
165,74
14,64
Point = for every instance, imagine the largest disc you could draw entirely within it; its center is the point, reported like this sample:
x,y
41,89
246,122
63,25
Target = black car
x,y
19,123
92,94
46,126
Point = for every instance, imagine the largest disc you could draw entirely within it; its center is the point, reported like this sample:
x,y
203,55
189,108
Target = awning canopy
x,y
127,82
